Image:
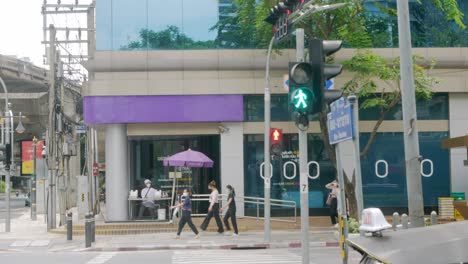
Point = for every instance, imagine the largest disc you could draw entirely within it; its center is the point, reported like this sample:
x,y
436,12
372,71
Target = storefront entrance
x,y
147,155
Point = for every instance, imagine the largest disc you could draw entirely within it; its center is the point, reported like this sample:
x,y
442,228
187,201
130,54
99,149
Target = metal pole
x,y
7,176
69,226
304,179
410,130
7,169
357,155
267,207
88,240
33,183
342,206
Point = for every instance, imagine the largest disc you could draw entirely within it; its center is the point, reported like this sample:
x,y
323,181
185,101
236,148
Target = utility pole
x,y
51,153
352,99
342,206
33,183
410,129
267,163
304,179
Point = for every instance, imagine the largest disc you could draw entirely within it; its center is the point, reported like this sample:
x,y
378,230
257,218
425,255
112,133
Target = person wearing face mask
x,y
186,216
148,195
213,210
231,212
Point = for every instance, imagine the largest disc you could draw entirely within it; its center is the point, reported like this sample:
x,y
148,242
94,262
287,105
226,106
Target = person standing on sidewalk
x,y
231,212
186,215
332,201
213,210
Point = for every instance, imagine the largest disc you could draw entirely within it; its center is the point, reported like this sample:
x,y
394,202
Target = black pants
x,y
186,219
334,211
231,214
143,209
214,212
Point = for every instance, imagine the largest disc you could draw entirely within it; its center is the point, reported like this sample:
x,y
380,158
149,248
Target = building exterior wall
x,y
172,76
458,128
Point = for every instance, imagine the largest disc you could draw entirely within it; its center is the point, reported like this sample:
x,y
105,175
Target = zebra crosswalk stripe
x,y
102,258
234,257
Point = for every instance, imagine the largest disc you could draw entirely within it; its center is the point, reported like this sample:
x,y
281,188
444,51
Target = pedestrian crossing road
x,y
235,257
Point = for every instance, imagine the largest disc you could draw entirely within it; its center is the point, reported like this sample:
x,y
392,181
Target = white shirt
x,y
214,196
148,193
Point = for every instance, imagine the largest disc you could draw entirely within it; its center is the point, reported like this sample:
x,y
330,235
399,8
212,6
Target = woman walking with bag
x,y
332,201
186,215
213,210
231,212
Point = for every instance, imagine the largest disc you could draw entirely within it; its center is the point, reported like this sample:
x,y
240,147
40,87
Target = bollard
x,y
93,229
88,230
433,218
404,221
69,226
396,220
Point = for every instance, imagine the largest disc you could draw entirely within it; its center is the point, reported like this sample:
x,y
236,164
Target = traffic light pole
x,y
6,137
304,180
267,170
410,134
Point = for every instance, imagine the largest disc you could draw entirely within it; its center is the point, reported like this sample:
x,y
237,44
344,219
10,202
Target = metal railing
x,y
257,201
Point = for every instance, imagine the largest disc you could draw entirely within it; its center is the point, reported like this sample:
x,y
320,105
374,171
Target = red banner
x,y
27,158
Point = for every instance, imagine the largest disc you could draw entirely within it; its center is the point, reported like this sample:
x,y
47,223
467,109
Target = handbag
x,y
329,199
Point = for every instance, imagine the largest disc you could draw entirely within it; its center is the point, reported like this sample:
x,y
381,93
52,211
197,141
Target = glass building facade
x,y
214,24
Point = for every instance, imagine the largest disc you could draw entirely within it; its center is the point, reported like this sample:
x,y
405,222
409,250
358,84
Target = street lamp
x,y
20,128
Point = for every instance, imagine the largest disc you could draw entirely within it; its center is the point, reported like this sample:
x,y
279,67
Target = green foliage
x,y
451,11
378,80
2,186
170,38
353,226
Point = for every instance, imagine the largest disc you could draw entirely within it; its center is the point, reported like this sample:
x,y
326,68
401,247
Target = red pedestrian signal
x,y
276,135
276,138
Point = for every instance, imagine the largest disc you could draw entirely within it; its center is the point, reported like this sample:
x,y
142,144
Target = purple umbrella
x,y
189,158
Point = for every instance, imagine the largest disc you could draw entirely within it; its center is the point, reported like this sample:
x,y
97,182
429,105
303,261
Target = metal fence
x,y
256,201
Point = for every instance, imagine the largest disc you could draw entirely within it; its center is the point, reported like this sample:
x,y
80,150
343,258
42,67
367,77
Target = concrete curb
x,y
240,246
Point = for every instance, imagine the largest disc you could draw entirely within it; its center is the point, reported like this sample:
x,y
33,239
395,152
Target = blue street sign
x,y
329,84
340,121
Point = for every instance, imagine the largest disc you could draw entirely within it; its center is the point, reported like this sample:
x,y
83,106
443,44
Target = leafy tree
x,y
374,78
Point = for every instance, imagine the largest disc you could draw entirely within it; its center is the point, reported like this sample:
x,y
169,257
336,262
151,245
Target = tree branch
x,y
392,104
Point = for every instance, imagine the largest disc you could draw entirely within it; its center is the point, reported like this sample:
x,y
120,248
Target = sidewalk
x,y
29,235
207,240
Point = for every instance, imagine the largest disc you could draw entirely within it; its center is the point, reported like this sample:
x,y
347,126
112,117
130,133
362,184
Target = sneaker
x,y
227,233
177,237
335,226
197,236
235,235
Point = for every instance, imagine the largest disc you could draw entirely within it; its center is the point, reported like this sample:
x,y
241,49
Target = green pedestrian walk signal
x,y
301,100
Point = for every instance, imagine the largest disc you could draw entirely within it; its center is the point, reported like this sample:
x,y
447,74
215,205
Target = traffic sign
x,y
340,121
95,169
80,129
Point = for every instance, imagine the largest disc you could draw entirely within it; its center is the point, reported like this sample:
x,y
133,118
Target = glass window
x,y
434,109
165,28
148,153
387,153
129,21
198,18
285,180
104,25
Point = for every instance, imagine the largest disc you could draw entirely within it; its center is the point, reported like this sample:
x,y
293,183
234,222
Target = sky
x,y
21,33
21,29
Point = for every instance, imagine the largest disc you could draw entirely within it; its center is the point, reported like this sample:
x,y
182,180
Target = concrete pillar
x,y
232,160
117,182
458,127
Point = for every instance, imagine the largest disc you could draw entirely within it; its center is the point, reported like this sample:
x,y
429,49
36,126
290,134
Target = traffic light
x,y
322,72
279,16
302,96
276,140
